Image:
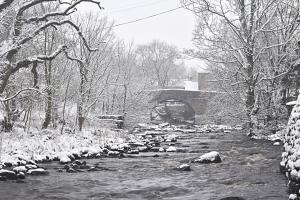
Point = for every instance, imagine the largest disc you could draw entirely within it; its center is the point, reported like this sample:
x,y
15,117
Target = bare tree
x,y
93,67
157,59
24,29
231,35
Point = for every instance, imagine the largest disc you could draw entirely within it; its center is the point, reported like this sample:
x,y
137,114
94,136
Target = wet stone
x,y
183,167
155,149
171,149
21,175
211,157
71,170
31,166
8,174
20,169
38,172
134,151
7,164
142,149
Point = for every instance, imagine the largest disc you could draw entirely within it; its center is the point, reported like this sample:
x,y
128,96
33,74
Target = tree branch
x,y
17,93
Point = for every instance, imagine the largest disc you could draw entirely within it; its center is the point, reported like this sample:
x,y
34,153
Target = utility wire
x,y
134,7
144,18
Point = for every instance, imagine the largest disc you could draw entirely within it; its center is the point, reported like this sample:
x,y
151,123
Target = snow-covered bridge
x,y
179,105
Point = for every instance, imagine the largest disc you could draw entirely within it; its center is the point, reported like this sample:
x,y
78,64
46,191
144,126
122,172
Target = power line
x,y
144,18
134,7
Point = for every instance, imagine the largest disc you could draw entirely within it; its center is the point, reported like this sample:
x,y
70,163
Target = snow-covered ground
x,y
19,146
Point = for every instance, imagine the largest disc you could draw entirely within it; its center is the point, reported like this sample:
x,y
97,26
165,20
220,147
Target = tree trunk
x,y
49,100
124,99
80,115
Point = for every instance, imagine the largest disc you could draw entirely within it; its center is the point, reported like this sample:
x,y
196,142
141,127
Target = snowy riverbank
x,y
47,145
19,147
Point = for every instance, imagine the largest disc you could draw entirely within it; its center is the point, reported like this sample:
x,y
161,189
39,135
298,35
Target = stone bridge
x,y
167,102
196,99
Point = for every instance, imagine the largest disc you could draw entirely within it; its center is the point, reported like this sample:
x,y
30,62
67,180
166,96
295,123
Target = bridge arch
x,y
173,111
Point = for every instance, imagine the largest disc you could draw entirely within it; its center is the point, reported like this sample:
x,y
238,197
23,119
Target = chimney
x,y
202,81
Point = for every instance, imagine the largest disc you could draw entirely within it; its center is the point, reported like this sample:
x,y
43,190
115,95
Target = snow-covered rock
x,y
38,171
133,151
171,149
113,153
171,138
293,197
142,148
31,166
20,169
183,167
276,144
8,174
21,175
211,157
63,158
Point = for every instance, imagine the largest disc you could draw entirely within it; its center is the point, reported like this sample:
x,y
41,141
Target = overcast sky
x,y
175,27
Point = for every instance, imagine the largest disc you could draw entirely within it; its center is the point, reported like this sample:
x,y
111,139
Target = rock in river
x,y
184,167
38,171
21,175
8,174
20,169
171,149
211,157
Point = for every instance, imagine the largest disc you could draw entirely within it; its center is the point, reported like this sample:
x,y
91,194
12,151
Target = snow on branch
x,y
80,62
42,28
39,58
69,10
19,92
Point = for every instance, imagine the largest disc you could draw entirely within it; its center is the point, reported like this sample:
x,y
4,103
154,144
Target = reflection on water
x,y
249,170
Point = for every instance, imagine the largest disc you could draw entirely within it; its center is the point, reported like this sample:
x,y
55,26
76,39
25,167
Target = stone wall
x,y
290,164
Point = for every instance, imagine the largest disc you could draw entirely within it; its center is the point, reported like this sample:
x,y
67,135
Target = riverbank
x,y
48,145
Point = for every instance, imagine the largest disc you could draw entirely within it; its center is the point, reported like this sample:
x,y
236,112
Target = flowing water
x,y
249,170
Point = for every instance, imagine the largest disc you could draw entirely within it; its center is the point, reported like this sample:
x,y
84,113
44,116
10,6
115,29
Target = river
x,y
249,170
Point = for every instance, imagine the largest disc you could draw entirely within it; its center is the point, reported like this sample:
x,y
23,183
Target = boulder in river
x,y
276,144
21,175
8,174
37,172
71,170
183,167
171,149
142,149
31,166
211,157
133,151
113,153
293,197
20,169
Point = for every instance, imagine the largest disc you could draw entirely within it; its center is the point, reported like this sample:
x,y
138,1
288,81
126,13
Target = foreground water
x,y
249,170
